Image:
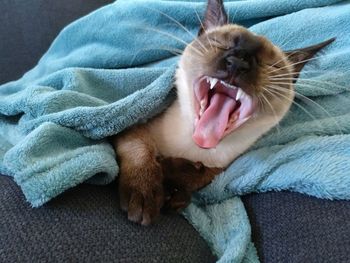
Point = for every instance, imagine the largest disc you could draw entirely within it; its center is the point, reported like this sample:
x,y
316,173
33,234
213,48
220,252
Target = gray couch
x,y
84,224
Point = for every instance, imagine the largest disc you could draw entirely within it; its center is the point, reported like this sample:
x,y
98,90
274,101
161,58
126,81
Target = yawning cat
x,y
226,100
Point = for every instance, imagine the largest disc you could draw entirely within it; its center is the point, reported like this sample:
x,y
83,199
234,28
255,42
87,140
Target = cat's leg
x,y
140,177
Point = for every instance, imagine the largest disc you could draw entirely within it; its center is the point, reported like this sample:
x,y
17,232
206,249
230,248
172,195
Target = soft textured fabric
x,y
85,224
291,227
100,76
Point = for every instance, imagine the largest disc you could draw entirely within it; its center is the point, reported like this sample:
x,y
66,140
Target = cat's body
x,y
228,95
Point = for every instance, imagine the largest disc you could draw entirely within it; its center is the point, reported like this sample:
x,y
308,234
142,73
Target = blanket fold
x,y
115,67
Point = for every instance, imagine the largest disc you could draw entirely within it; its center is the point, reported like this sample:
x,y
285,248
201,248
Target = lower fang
x,y
245,119
213,83
234,118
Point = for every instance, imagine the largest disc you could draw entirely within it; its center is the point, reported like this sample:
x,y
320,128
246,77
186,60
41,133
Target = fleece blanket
x,y
115,67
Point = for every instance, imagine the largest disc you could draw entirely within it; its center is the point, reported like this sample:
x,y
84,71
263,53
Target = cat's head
x,y
227,78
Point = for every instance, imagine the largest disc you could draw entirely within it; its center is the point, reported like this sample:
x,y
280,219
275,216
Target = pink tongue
x,y
210,129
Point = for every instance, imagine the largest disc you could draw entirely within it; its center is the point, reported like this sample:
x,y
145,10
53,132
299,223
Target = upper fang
x,y
239,94
203,103
213,82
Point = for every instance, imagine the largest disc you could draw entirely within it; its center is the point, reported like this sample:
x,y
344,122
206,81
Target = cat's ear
x,y
299,57
215,15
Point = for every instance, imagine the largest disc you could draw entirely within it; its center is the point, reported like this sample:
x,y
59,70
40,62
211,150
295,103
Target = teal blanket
x,y
115,67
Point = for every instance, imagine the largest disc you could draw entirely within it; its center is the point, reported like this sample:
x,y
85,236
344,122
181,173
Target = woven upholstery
x,y
85,225
291,227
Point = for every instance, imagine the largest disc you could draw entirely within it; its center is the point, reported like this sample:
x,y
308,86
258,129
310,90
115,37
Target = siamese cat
x,y
226,100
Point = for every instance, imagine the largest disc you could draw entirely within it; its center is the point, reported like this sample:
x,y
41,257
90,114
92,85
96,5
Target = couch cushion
x,y
86,225
291,227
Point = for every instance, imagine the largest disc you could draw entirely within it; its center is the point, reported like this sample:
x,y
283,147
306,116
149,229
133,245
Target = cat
x,y
226,101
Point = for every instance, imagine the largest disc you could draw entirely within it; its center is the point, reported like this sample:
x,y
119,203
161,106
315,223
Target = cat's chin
x,y
220,108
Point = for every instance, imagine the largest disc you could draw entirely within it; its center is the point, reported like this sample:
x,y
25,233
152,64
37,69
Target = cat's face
x,y
228,78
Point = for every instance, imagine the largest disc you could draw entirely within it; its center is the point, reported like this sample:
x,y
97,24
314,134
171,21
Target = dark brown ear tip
x,y
329,41
215,15
299,57
321,45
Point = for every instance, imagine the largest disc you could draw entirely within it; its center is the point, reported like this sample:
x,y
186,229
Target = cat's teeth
x,y
223,83
234,118
239,94
213,82
227,85
245,119
203,103
232,87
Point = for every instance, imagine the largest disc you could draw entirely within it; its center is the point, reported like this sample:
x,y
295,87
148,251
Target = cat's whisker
x,y
300,82
291,65
273,111
305,72
262,105
173,37
298,94
200,21
286,91
174,51
305,85
307,60
328,73
216,47
308,100
180,25
234,15
228,14
287,40
295,103
271,66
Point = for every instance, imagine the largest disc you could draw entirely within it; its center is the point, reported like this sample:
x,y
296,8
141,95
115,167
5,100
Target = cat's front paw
x,y
141,194
176,199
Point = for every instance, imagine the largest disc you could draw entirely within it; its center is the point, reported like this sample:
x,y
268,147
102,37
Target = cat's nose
x,y
242,57
236,64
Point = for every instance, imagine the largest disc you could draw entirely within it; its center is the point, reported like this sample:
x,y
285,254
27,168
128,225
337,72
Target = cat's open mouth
x,y
220,109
